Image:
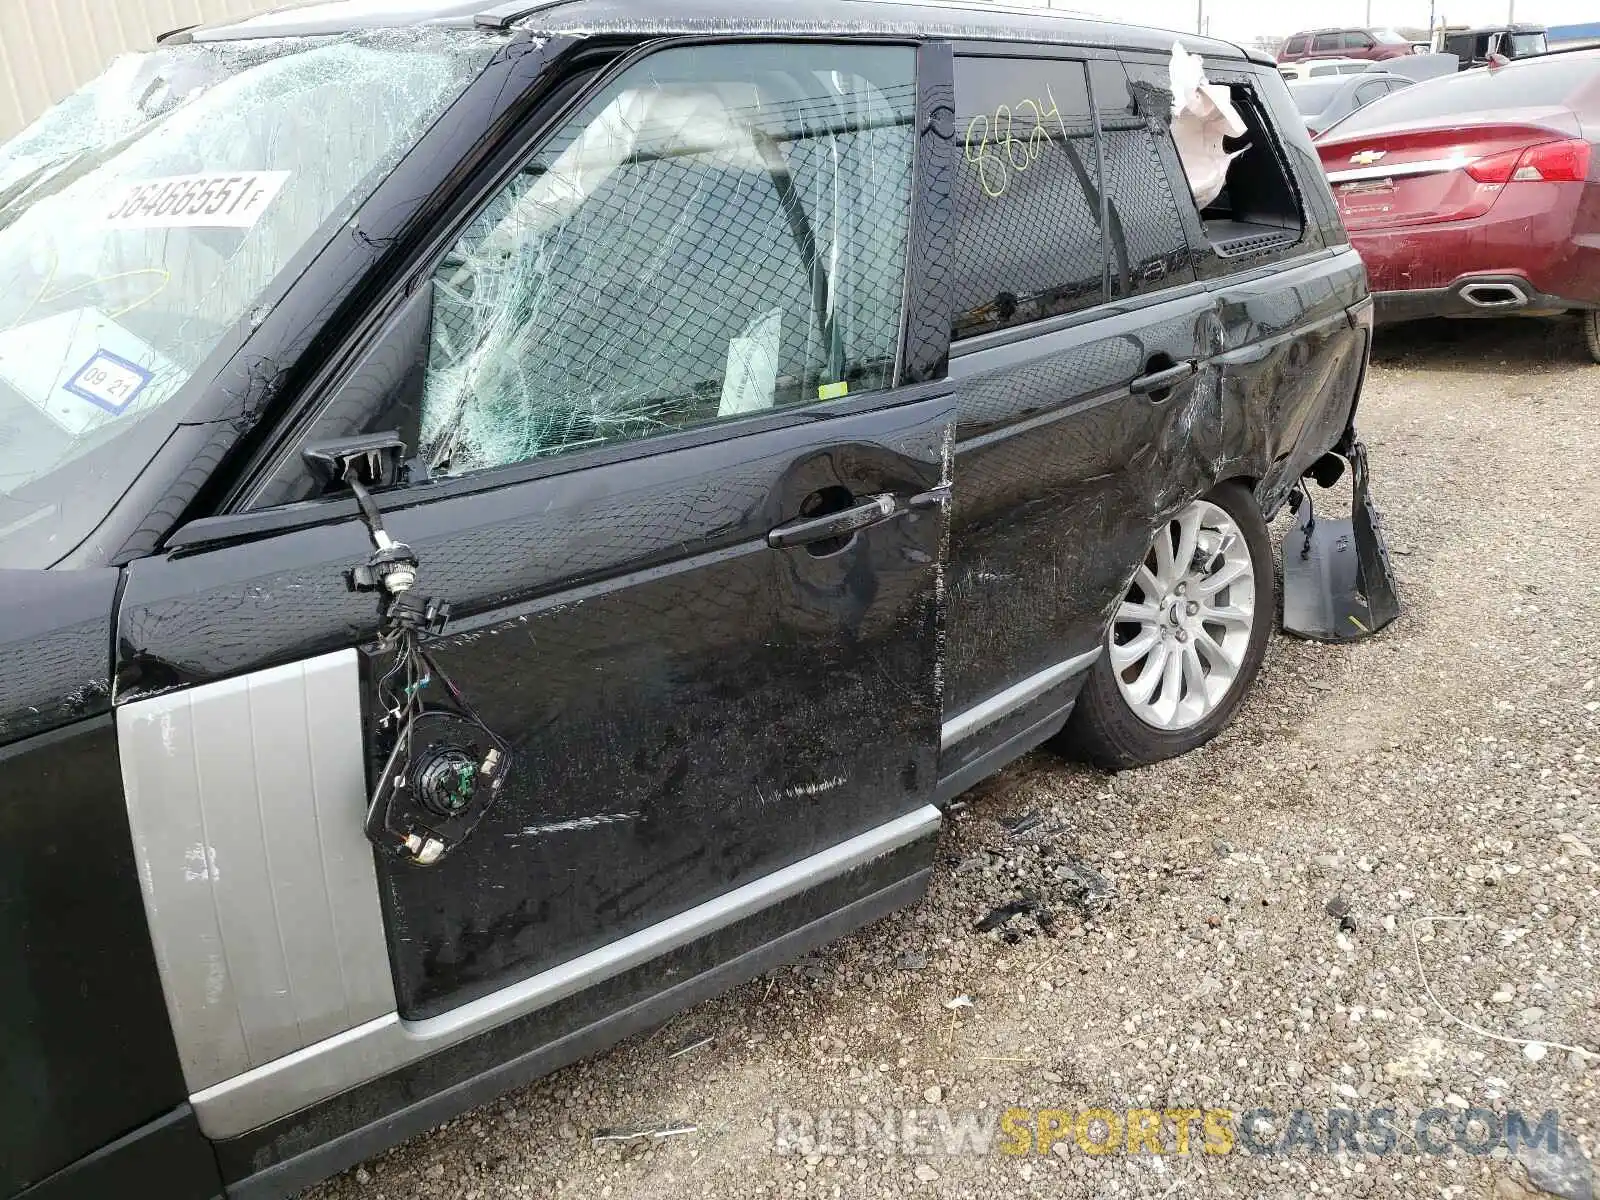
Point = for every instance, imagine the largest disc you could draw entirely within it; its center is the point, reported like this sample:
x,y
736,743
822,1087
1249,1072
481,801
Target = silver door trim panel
x,y
986,712
345,1060
246,800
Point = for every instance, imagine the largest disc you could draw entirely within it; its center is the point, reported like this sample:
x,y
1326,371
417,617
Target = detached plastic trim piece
x,y
1338,584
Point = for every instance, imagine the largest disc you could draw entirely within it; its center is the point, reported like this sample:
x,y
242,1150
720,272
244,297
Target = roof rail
x,y
504,16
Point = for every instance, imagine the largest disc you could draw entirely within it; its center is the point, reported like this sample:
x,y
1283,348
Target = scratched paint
x,y
597,821
805,790
216,980
200,864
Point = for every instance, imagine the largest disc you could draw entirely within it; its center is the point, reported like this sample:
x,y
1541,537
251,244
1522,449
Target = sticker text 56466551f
x,y
234,200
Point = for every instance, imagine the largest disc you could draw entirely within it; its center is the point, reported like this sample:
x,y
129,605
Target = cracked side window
x,y
720,232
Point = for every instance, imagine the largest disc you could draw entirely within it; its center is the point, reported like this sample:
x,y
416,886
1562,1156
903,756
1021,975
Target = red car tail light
x,y
1548,162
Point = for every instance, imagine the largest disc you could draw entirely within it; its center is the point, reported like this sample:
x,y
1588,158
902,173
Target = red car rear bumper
x,y
1540,239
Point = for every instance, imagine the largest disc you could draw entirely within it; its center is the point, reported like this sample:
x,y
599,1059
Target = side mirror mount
x,y
374,460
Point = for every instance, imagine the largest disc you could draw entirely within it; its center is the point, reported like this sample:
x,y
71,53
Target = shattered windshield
x,y
144,217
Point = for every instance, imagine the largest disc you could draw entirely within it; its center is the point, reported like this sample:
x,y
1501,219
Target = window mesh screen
x,y
723,236
1028,242
1147,237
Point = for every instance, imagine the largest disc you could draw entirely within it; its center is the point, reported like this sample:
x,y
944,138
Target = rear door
x,y
687,502
1073,286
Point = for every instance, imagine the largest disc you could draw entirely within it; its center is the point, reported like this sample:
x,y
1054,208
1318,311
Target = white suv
x,y
1321,68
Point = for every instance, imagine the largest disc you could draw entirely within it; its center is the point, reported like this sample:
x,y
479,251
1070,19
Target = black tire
x,y
1103,728
1591,333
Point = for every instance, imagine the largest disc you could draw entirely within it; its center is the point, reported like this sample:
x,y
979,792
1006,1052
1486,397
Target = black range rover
x,y
514,521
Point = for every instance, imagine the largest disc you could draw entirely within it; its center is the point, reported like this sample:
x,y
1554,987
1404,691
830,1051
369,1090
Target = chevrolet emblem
x,y
1365,158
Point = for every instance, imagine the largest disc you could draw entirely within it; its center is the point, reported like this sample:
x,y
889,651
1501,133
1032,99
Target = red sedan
x,y
1478,194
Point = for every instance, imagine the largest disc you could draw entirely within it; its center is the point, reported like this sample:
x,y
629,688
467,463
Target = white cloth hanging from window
x,y
1202,115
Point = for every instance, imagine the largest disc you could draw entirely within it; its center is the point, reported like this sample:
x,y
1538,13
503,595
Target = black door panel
x,y
684,727
1062,473
690,708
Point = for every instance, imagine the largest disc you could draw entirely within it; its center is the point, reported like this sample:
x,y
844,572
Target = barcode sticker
x,y
108,382
211,200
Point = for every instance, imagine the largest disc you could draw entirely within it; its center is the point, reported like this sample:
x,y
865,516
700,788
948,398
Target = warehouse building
x,y
50,47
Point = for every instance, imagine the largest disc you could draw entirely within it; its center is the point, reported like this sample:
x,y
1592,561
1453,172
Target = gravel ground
x,y
1271,898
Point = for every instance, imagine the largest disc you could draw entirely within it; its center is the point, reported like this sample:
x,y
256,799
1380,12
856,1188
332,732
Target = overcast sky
x,y
1243,19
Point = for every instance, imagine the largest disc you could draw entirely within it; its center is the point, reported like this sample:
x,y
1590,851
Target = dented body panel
x,y
55,665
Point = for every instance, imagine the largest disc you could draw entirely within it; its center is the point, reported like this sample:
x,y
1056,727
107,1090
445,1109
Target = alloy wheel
x,y
1179,637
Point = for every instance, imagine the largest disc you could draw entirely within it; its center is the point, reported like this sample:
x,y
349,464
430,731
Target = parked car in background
x,y
1372,44
1323,102
1420,67
1323,68
1478,195
792,414
1475,47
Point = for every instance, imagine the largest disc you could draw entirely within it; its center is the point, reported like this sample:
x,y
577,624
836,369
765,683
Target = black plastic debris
x,y
812,970
972,863
1338,585
1023,824
1003,913
1017,919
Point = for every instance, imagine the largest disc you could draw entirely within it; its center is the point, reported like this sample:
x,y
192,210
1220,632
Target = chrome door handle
x,y
1163,381
875,510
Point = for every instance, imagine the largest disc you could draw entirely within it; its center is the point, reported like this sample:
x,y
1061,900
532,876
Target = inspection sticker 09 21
x,y
218,199
108,381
